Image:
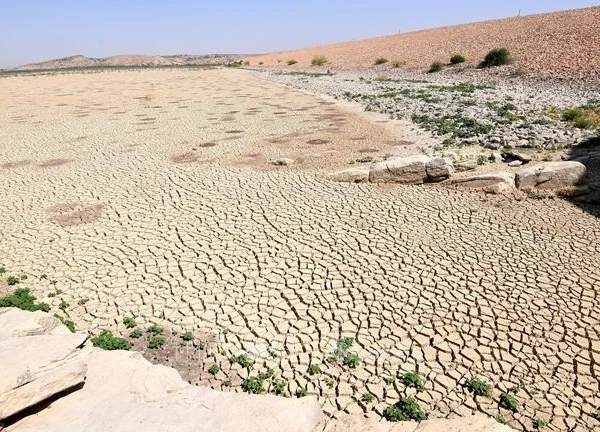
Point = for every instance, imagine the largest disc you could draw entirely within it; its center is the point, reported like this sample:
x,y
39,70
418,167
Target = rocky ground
x,y
153,195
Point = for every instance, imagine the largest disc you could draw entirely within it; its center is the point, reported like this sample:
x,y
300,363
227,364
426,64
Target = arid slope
x,y
563,43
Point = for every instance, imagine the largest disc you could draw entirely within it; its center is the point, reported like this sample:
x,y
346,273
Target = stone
x,y
358,174
439,169
515,163
466,165
510,156
283,161
17,323
551,175
406,170
496,157
498,182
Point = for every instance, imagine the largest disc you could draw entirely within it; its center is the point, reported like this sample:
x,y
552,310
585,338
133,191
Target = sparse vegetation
x,y
301,392
12,280
457,59
279,386
404,410
478,387
319,61
156,341
67,323
436,66
107,341
155,329
253,385
536,195
496,57
343,354
367,398
243,360
214,369
412,379
380,61
481,159
500,419
63,305
314,369
539,423
292,62
129,322
135,333
509,401
21,298
187,336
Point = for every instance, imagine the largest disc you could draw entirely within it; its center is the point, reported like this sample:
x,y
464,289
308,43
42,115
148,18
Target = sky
x,y
38,30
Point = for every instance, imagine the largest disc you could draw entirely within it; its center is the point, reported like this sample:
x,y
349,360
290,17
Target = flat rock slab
x,y
551,175
351,175
406,170
16,323
497,182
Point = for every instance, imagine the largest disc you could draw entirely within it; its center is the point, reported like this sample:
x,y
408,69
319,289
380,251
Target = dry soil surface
x,y
151,194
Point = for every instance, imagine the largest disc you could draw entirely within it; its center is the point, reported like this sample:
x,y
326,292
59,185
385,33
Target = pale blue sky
x,y
36,30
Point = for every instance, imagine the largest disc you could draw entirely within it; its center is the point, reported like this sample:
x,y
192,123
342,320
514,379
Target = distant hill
x,y
81,61
566,43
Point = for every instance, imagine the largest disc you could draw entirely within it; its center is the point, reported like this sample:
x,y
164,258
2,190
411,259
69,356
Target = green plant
x,y
201,345
156,341
83,301
535,195
330,383
496,57
187,336
54,293
436,66
342,353
155,329
227,383
23,277
292,62
380,61
509,401
301,392
478,387
403,410
572,114
367,398
319,61
482,159
243,360
214,369
388,380
21,298
63,305
351,360
583,123
135,333
129,322
456,59
412,379
539,423
2,270
67,323
253,385
314,369
107,341
279,386
12,280
500,419
261,63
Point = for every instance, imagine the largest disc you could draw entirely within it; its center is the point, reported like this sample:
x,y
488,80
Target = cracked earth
x,y
152,194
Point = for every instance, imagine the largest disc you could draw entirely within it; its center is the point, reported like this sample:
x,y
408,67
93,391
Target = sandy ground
x,y
151,194
562,43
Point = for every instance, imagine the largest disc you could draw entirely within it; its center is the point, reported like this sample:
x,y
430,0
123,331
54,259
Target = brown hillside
x,y
560,43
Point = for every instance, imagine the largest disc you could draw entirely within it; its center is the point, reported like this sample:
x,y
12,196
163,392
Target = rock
x,y
510,156
359,174
439,169
18,323
406,170
496,157
466,165
551,175
515,163
498,182
283,161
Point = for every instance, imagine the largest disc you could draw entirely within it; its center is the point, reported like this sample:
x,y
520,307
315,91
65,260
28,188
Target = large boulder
x,y
551,175
359,174
498,182
439,169
406,170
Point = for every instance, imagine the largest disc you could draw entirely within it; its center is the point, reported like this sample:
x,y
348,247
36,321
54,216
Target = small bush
x,y
155,329
436,66
539,423
572,114
380,61
314,369
243,360
2,270
135,333
107,341
412,379
22,299
583,123
67,323
129,322
301,392
478,387
156,341
63,305
500,419
496,57
319,61
253,385
12,280
367,398
187,336
456,59
535,195
214,369
351,360
279,386
509,401
404,410
292,62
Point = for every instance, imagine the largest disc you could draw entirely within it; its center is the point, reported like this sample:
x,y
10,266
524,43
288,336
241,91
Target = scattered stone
x,y
439,169
406,170
498,182
515,163
359,174
551,175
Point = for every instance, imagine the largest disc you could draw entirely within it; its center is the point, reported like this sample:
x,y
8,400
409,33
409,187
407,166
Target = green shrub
x,y
292,62
66,322
135,333
129,322
319,61
63,305
478,387
456,59
380,61
500,419
583,123
509,401
243,360
253,385
412,379
539,423
496,57
156,342
535,195
187,336
404,410
214,369
436,66
12,280
351,360
572,114
301,392
21,298
107,341
482,159
367,398
279,386
314,369
2,270
155,329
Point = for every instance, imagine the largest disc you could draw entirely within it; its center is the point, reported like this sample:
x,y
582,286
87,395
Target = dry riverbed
x,y
152,194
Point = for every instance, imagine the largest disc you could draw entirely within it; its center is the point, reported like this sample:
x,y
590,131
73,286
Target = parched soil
x,y
562,43
280,264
